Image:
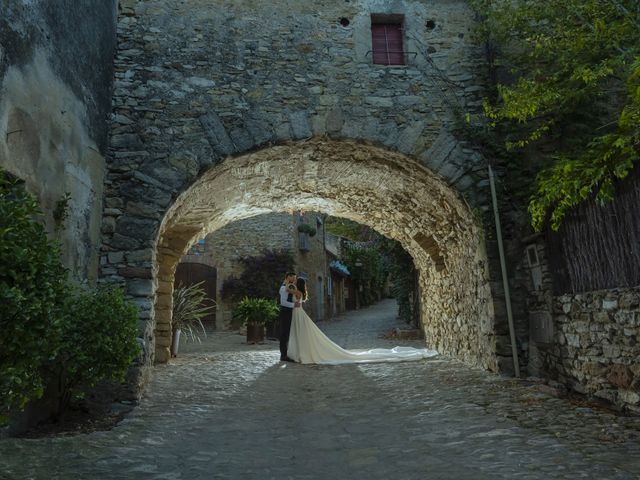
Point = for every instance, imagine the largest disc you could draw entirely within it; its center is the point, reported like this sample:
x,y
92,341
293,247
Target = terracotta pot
x,y
255,333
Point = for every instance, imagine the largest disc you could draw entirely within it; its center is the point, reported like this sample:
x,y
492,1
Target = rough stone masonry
x,y
197,93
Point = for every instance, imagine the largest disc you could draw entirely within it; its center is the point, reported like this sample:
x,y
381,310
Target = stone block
x,y
573,340
260,131
334,120
135,256
136,227
216,134
122,242
241,139
629,397
140,287
127,141
384,102
620,376
300,125
135,272
115,257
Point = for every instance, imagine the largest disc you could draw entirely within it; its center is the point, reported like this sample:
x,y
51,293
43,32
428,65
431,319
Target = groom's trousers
x,y
285,327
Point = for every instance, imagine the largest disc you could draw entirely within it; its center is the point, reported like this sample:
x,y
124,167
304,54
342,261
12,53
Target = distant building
x,y
223,249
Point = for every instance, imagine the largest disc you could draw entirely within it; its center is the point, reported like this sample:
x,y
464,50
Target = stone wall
x,y
312,263
250,237
56,73
586,341
244,238
196,95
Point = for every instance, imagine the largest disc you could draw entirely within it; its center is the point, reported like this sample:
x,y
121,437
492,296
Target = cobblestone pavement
x,y
228,410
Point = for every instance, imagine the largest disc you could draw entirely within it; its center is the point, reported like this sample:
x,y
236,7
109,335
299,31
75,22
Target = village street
x,y
224,409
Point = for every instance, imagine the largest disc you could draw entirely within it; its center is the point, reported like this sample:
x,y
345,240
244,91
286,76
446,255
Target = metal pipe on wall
x,y
505,278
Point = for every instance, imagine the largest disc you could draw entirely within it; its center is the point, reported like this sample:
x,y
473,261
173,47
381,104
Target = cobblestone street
x,y
224,409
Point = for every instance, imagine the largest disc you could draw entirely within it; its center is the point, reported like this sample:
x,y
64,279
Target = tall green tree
x,y
567,77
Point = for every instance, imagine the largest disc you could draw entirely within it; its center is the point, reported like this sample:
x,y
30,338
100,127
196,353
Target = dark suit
x,y
285,325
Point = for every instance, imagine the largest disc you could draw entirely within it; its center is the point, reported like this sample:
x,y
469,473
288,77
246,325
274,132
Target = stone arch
x,y
385,190
198,96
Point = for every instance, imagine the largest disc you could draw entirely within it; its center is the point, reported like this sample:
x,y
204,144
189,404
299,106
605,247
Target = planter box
x,y
255,333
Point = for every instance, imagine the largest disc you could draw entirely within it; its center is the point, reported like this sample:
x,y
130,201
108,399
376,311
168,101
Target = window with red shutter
x,y
387,42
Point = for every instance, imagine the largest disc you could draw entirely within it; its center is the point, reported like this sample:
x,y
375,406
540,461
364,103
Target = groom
x,y
286,311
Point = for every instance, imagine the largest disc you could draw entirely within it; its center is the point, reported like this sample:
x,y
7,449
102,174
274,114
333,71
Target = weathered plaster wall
x,y
56,69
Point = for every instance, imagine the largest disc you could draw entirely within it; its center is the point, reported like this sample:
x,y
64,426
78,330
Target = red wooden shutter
x,y
386,41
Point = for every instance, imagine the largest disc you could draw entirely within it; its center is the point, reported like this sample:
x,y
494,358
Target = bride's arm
x,y
298,295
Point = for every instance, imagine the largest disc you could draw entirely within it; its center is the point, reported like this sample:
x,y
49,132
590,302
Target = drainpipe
x,y
505,278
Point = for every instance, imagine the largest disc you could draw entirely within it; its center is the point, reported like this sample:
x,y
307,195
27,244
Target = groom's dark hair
x,y
288,274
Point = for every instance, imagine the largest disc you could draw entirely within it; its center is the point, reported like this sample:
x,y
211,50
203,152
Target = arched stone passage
x,y
384,190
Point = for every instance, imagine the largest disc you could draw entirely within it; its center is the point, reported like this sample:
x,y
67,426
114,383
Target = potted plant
x,y
255,313
189,307
306,228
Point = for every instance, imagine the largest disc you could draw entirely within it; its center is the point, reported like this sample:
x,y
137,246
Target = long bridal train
x,y
307,344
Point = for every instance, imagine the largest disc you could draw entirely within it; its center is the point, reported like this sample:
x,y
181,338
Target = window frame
x,y
395,22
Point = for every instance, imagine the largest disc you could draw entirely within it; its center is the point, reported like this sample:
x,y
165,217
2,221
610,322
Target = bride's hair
x,y
302,286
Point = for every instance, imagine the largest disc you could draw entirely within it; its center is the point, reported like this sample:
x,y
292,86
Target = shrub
x,y
99,333
261,276
308,229
189,308
255,310
32,291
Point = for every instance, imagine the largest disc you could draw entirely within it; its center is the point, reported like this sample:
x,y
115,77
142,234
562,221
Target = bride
x,y
307,343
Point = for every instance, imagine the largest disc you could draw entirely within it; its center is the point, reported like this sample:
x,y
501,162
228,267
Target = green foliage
x,y
53,337
189,308
349,229
98,342
380,258
570,82
261,276
366,265
61,210
255,310
401,270
308,229
32,292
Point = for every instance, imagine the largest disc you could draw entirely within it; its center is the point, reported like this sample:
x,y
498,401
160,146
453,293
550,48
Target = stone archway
x,y
384,190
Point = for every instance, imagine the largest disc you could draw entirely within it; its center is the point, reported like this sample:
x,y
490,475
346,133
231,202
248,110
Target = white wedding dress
x,y
307,344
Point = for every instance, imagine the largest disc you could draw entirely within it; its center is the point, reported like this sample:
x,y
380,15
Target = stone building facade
x,y
275,231
240,109
244,108
55,98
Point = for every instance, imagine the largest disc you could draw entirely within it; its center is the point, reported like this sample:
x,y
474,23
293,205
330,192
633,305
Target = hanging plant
x,y
306,228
